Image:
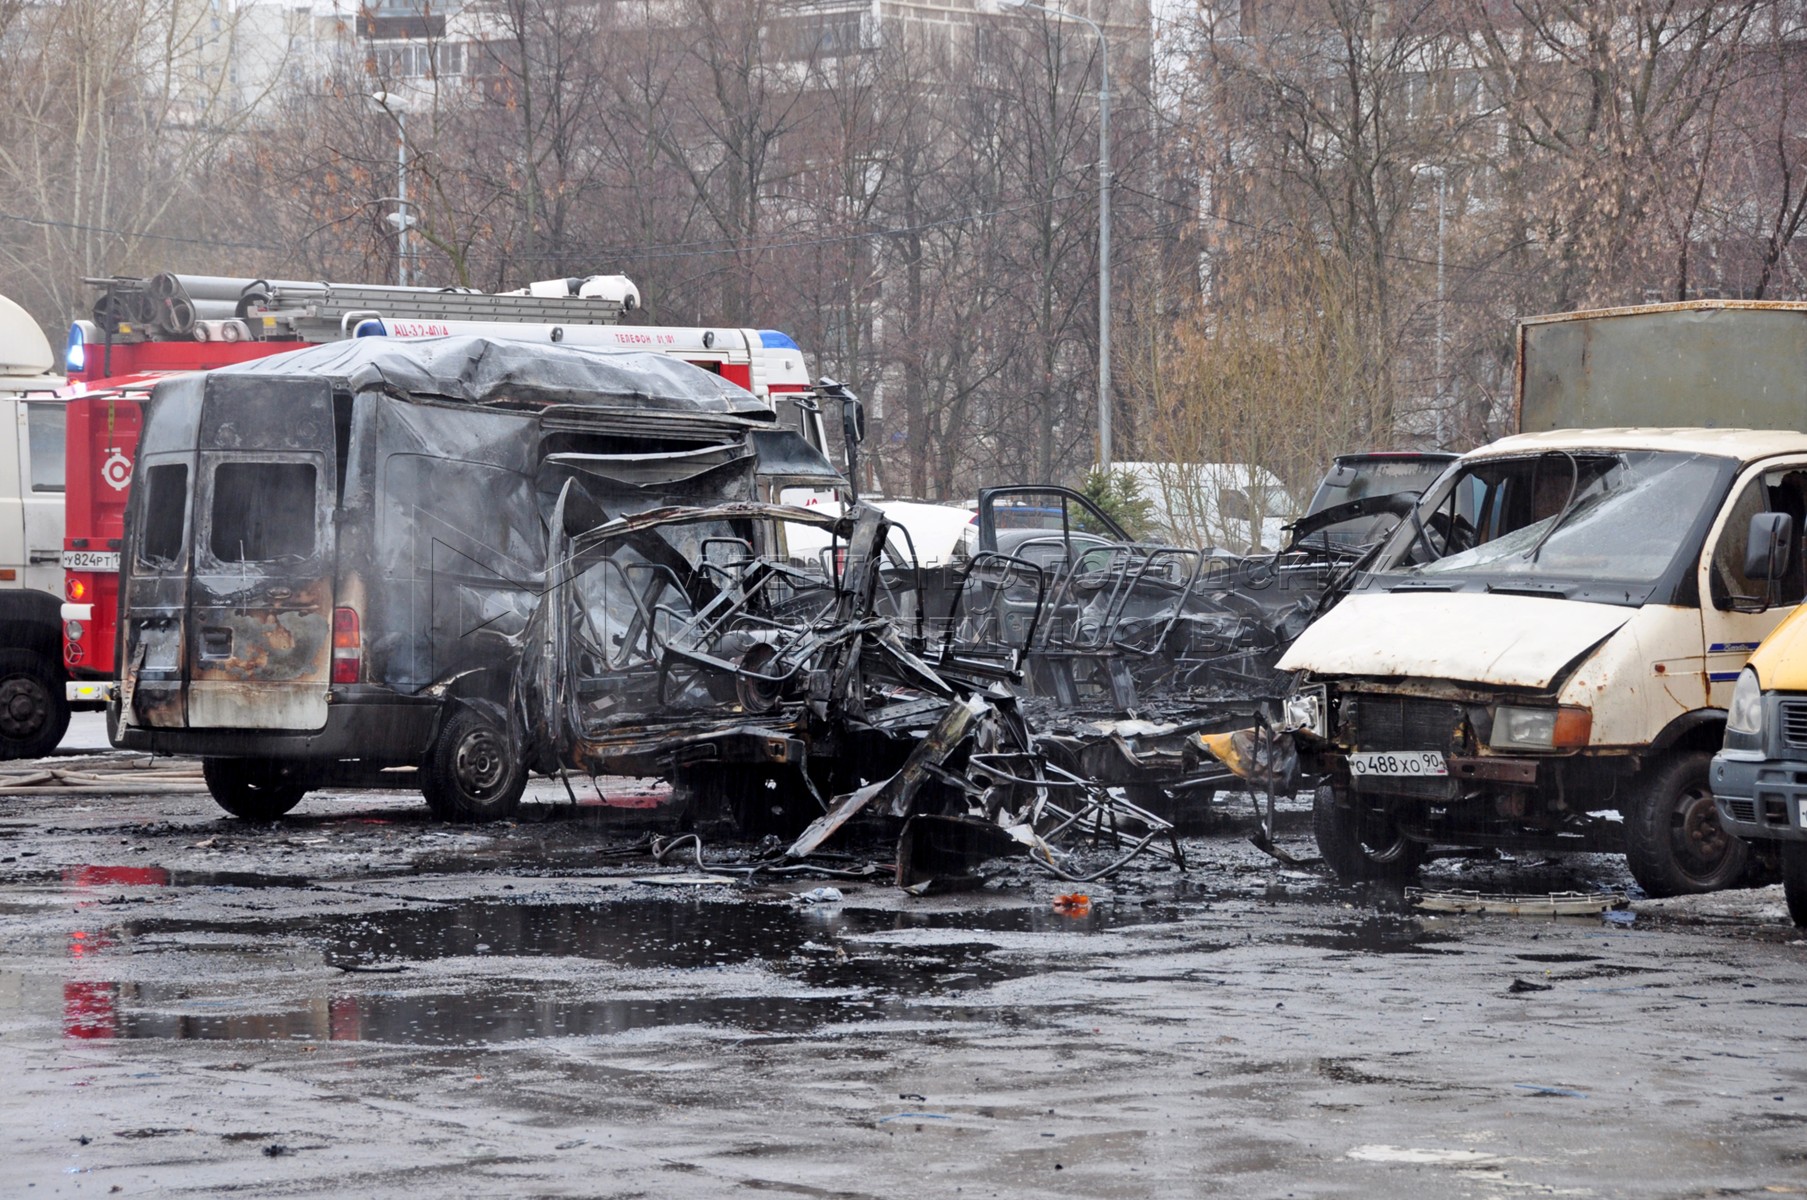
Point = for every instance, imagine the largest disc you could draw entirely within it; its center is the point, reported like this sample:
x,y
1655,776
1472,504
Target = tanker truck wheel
x,y
1363,846
252,789
33,713
1794,880
1674,843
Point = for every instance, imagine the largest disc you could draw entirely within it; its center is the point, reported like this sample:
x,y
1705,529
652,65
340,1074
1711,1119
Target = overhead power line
x,y
122,233
692,249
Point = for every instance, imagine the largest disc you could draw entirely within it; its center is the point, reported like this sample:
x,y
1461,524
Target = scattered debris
x,y
103,775
943,853
1417,1156
1550,904
633,603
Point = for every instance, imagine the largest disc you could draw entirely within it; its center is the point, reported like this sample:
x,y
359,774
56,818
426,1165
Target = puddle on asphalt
x,y
811,966
1380,935
631,932
833,962
1565,957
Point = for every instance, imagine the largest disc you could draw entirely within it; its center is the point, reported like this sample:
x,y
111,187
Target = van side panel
x,y
453,569
259,644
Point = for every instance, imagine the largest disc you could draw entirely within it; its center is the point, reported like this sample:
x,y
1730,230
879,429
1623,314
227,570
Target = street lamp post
x,y
400,218
1436,172
1104,220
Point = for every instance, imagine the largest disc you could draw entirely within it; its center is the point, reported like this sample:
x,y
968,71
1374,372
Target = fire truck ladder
x,y
171,307
322,313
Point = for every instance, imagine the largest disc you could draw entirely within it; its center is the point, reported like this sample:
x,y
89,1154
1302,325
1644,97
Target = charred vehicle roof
x,y
475,370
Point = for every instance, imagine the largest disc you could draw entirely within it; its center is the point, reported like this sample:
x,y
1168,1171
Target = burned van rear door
x,y
260,607
154,596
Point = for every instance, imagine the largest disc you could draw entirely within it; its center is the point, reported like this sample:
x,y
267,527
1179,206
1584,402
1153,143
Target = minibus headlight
x,y
1745,715
1522,727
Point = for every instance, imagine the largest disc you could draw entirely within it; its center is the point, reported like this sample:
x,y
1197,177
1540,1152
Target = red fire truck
x,y
145,330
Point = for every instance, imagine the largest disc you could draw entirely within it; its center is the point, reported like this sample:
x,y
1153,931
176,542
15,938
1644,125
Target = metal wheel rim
x,y
1386,845
480,762
1700,842
23,706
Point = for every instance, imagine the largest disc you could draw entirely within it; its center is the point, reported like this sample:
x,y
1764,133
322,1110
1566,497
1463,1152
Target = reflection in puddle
x,y
484,1016
801,953
82,878
1380,935
1560,957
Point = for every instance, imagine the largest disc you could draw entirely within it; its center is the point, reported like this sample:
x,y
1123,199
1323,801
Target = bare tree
x,y
115,113
1613,114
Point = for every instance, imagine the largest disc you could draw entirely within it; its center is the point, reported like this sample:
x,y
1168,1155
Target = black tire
x,y
1674,842
252,789
1363,847
474,771
34,714
1794,880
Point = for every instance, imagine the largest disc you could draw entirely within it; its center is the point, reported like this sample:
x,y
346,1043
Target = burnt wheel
x,y
1794,880
1363,846
252,789
474,772
1674,842
33,712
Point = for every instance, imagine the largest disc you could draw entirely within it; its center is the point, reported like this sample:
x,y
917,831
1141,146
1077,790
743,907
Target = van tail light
x,y
348,646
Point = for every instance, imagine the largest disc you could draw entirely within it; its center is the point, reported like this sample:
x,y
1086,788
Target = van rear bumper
x,y
372,726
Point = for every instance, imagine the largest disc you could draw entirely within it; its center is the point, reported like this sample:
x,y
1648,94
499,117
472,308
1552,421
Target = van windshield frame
x,y
1609,526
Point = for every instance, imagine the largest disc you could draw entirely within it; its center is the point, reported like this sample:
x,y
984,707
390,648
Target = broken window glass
x,y
263,511
1775,491
1620,519
165,503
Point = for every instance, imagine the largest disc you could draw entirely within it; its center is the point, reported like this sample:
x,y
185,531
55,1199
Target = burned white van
x,y
333,556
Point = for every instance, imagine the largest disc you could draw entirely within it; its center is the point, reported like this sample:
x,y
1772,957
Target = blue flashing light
x,y
75,356
771,339
372,327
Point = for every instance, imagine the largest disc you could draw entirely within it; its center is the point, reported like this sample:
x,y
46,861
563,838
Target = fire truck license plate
x,y
90,560
1398,762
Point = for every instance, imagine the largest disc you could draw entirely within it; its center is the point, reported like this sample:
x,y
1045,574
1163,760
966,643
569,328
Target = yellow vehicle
x,y
1759,779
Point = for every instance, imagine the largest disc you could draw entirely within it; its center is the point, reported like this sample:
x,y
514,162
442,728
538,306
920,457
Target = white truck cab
x,y
33,712
1541,655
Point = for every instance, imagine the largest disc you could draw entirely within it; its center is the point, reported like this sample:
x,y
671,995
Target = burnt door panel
x,y
552,678
259,638
154,688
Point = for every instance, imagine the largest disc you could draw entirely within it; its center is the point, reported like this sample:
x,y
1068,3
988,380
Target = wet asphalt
x,y
361,1001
